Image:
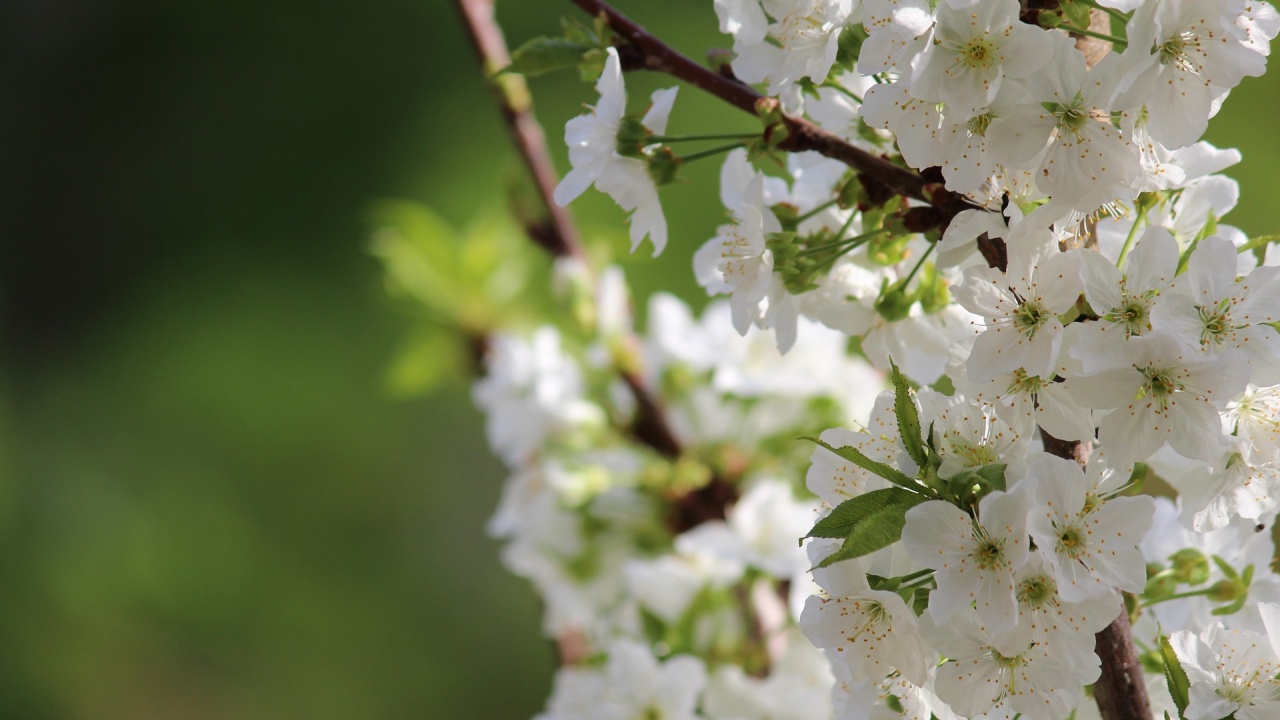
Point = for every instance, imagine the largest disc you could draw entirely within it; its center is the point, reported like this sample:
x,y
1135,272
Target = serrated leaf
x,y
855,456
846,516
904,407
1175,676
880,526
542,55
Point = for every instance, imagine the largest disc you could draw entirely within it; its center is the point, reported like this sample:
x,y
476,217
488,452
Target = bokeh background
x,y
211,506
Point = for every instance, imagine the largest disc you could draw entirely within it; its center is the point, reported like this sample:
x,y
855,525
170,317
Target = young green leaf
x,y
880,525
846,516
904,406
1179,685
853,455
542,55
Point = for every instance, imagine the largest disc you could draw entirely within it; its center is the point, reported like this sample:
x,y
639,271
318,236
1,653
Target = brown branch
x,y
644,51
1120,691
557,234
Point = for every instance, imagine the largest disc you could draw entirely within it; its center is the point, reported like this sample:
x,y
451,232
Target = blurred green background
x,y
210,506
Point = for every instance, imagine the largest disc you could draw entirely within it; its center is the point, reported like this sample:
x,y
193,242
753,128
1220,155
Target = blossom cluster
x,y
671,577
1087,323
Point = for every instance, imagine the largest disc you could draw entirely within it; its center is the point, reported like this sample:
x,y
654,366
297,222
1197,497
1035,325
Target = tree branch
x,y
644,51
557,234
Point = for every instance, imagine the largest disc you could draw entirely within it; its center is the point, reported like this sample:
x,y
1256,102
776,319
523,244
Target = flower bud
x,y
1190,566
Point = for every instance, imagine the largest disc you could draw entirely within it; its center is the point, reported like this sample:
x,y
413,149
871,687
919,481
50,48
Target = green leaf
x,y
1175,676
418,249
853,455
879,517
846,516
428,359
904,406
542,55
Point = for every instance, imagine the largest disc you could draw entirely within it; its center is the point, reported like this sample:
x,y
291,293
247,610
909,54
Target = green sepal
x,y
1077,13
875,520
663,166
853,455
968,487
542,55
1175,676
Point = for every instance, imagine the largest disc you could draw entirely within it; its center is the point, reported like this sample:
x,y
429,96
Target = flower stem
x,y
1179,596
805,216
919,264
844,91
691,138
1120,43
1124,19
853,242
710,153
1133,232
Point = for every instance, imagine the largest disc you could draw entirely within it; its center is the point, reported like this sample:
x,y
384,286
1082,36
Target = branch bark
x,y
645,51
557,233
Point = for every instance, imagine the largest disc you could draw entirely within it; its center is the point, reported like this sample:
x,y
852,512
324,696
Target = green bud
x,y
1228,590
769,111
888,249
894,304
1190,566
1159,586
932,291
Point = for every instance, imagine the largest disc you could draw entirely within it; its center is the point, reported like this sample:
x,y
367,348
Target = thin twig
x,y
557,234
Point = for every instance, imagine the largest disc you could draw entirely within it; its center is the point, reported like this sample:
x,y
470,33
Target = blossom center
x,y
1030,317
1071,542
978,54
978,124
1022,383
1071,118
1036,591
989,554
1160,384
1215,325
1133,314
1175,51
1006,662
